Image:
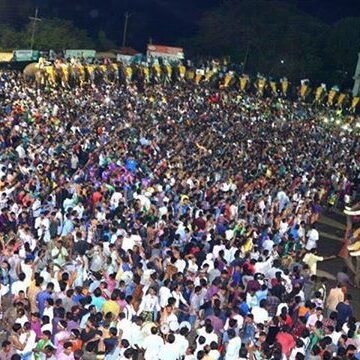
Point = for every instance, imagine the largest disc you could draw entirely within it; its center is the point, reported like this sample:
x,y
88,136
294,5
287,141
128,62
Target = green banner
x,y
86,54
26,55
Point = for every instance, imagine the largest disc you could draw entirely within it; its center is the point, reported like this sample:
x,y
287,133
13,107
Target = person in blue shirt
x,y
236,276
248,330
42,296
294,232
344,311
262,293
97,299
78,296
68,226
85,317
244,307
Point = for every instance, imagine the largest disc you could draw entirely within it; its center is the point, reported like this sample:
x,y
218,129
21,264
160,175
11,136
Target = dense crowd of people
x,y
169,222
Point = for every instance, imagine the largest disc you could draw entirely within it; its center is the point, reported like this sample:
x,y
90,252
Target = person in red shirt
x,y
96,197
286,340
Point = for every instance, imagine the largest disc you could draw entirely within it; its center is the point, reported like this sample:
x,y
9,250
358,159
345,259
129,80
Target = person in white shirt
x,y
26,237
299,348
128,243
217,248
284,226
235,316
115,199
19,285
181,342
261,315
22,319
129,308
170,350
153,345
21,152
27,269
177,295
124,327
165,293
47,325
268,245
36,208
313,237
214,353
180,264
191,264
209,335
49,309
28,337
42,225
149,305
233,347
313,318
137,336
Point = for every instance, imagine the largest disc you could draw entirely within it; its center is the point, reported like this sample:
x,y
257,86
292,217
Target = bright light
x,y
337,122
282,61
326,120
357,124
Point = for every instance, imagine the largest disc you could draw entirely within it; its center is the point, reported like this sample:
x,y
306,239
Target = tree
x,y
103,43
10,38
278,38
58,34
53,34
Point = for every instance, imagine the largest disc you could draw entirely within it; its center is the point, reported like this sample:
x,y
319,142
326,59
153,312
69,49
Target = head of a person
x,y
16,328
170,338
46,335
50,287
231,333
6,346
67,347
49,351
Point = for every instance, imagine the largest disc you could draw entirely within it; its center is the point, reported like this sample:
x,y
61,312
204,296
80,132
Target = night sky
x,y
165,21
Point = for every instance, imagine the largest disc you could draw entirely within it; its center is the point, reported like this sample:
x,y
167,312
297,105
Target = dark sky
x,y
165,21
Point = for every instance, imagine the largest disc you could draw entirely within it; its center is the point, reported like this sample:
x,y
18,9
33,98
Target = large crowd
x,y
169,222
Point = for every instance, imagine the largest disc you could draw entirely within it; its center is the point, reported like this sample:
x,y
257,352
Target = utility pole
x,y
356,88
246,57
34,20
127,15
